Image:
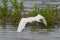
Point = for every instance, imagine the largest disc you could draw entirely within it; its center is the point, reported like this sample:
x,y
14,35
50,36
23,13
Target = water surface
x,y
8,32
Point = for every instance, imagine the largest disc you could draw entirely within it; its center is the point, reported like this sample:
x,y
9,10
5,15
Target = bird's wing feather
x,y
21,25
44,21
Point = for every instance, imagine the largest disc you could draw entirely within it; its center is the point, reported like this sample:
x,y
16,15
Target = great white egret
x,y
24,21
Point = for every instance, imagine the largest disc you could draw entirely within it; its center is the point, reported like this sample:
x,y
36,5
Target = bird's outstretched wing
x,y
44,21
24,21
21,25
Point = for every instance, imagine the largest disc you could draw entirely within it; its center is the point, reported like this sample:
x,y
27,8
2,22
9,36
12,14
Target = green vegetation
x,y
16,14
33,12
4,11
13,14
48,13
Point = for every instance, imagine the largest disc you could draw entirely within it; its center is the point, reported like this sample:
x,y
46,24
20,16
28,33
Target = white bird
x,y
24,21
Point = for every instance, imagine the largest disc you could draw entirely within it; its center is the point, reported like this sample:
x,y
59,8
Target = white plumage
x,y
24,21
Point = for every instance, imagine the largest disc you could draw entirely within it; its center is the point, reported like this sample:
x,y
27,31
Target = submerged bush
x,y
49,14
15,18
4,11
33,12
14,14
18,8
11,14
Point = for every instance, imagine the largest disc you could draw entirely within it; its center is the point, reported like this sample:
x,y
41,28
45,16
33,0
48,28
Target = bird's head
x,y
40,18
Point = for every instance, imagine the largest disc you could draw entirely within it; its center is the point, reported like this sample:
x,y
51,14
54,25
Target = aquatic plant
x,y
33,12
18,8
13,14
49,14
4,11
